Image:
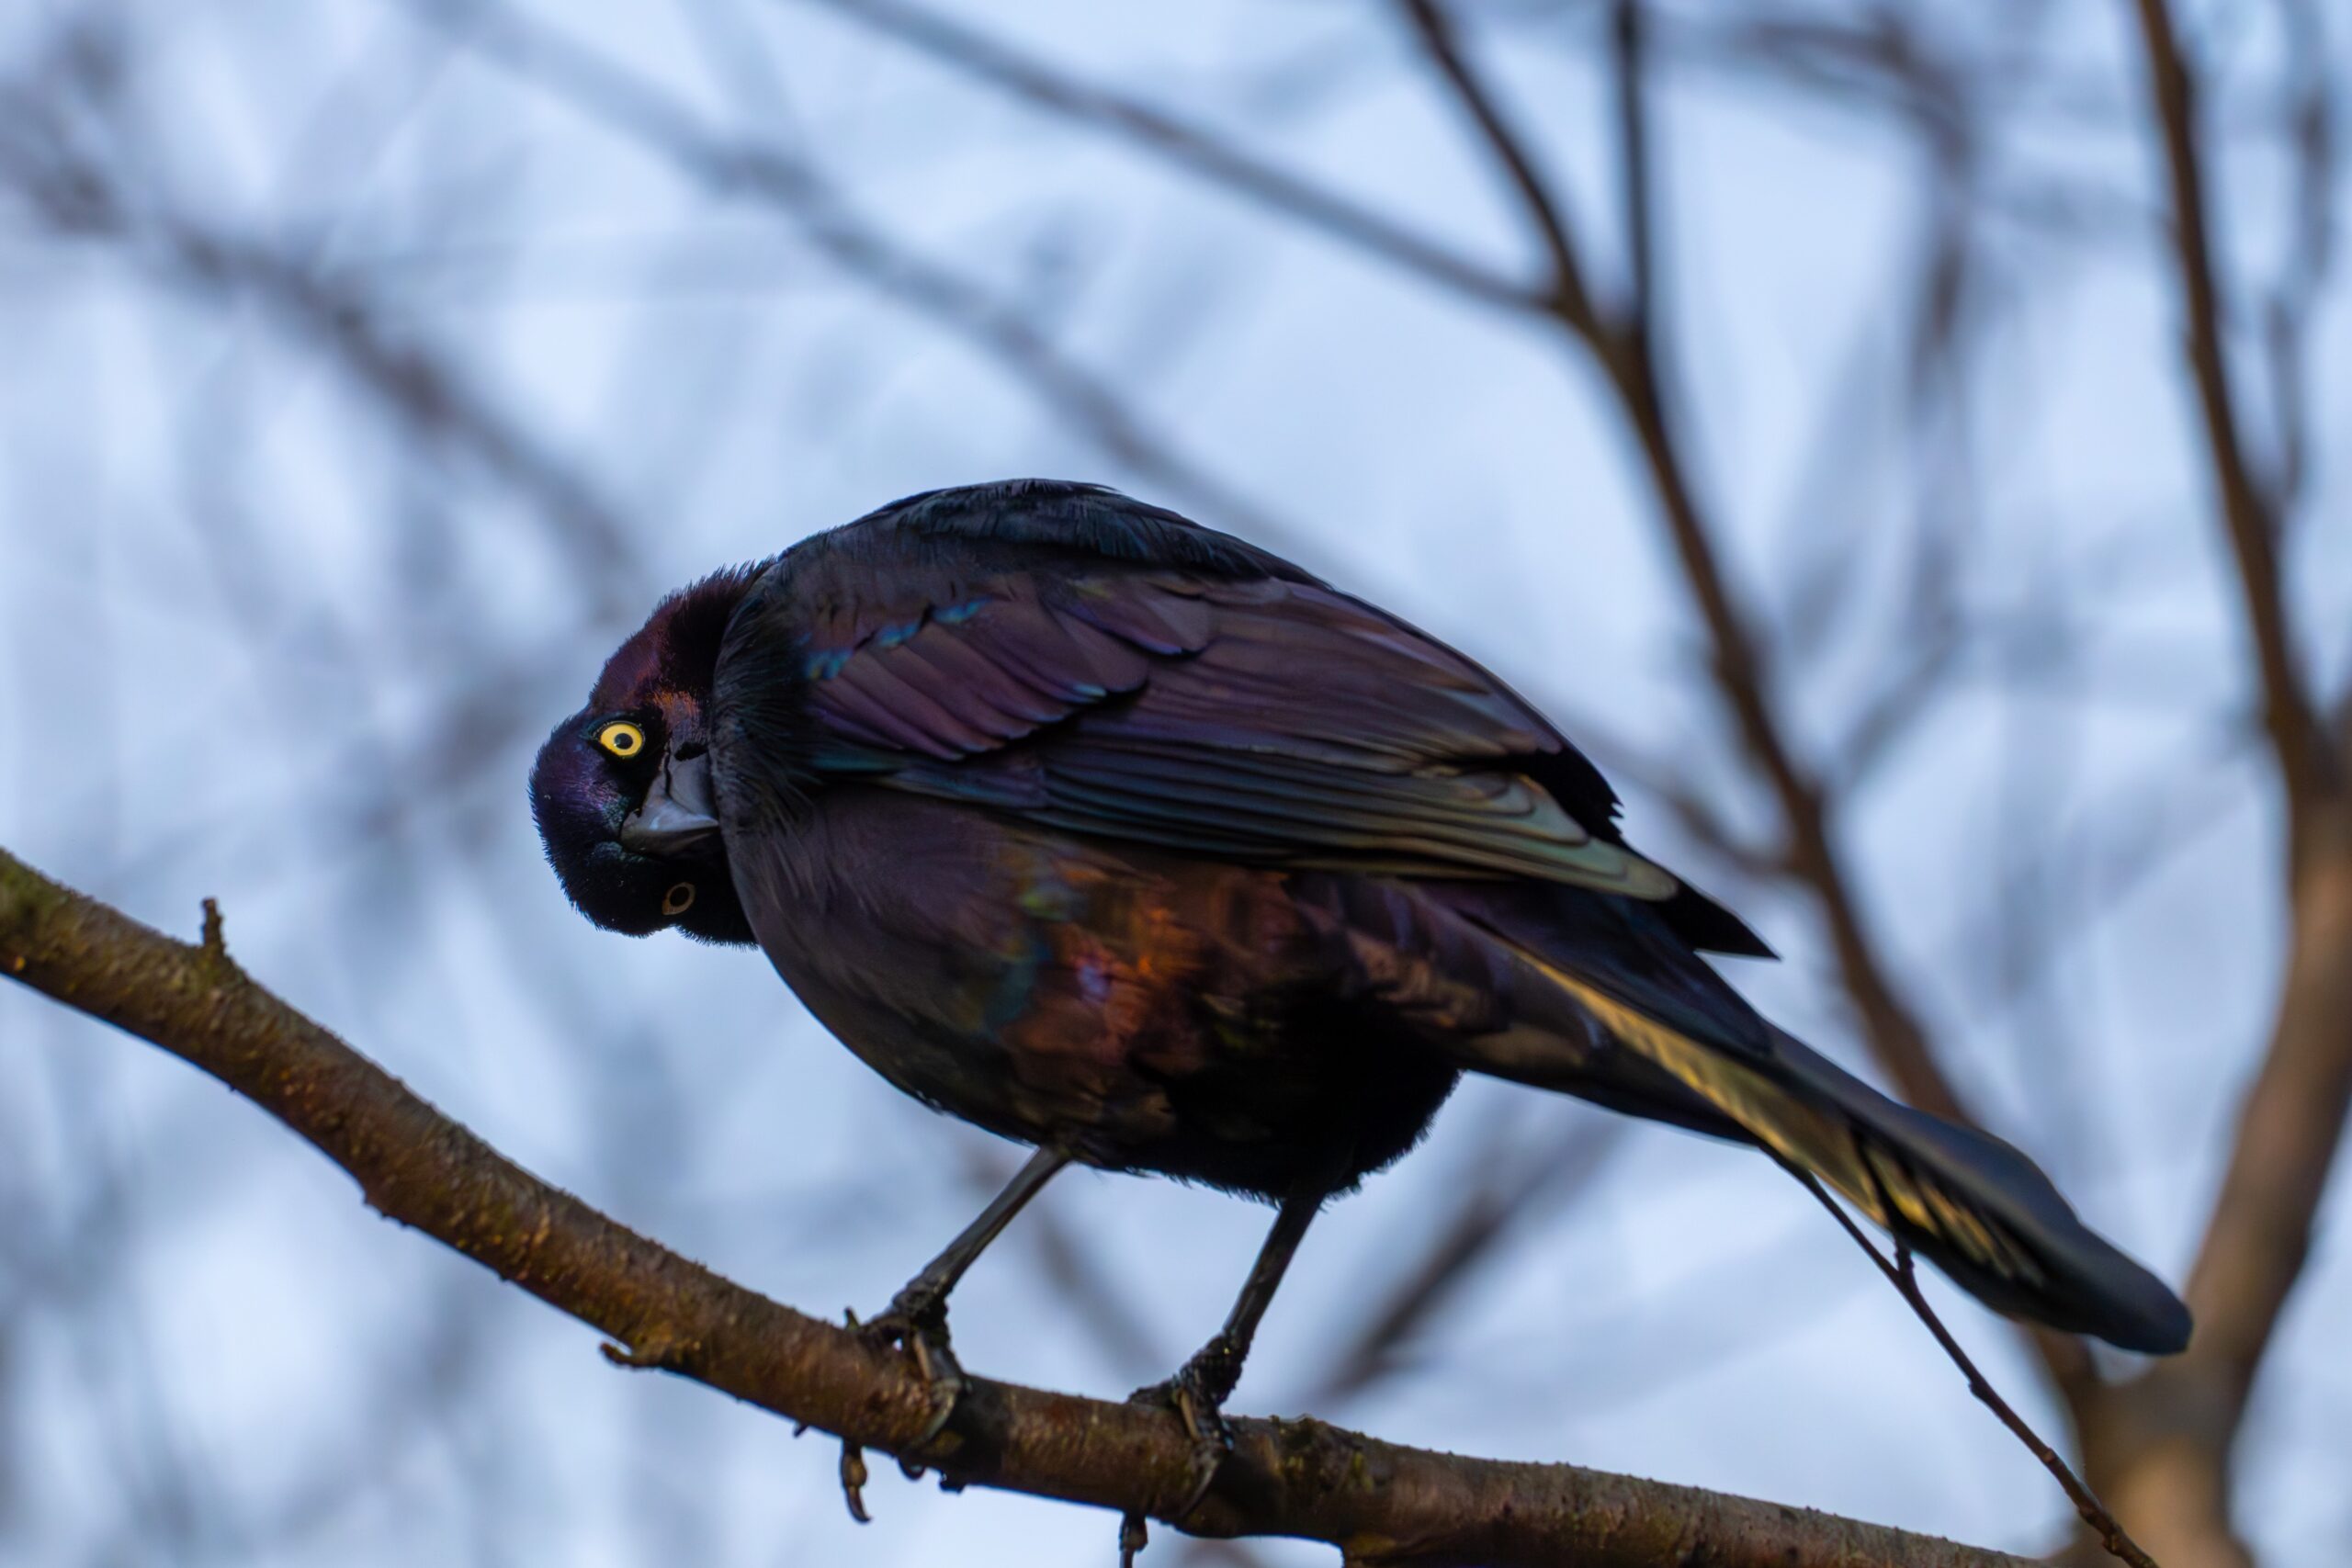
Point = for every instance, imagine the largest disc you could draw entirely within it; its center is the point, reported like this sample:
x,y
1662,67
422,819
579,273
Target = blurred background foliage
x,y
373,365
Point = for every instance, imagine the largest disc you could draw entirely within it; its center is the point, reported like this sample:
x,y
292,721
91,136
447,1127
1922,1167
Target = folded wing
x,y
1259,718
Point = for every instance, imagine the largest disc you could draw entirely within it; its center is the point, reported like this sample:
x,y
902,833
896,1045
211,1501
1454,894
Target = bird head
x,y
623,790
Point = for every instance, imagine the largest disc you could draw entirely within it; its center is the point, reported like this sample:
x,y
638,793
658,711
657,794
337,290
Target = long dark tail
x,y
1978,1209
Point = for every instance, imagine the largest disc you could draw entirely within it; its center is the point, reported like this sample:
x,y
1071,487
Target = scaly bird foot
x,y
916,1320
1197,1394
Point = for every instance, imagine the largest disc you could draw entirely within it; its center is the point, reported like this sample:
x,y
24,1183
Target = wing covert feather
x,y
1265,718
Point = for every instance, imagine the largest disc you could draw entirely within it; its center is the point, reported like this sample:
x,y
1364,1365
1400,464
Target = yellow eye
x,y
679,899
621,737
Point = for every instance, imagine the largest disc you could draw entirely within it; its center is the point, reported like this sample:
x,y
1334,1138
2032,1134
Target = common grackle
x,y
1128,841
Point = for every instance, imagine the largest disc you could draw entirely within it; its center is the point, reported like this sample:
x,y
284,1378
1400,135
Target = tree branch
x,y
1568,295
2306,764
1380,1503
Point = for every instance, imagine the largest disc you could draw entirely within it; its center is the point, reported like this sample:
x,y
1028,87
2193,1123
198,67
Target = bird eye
x,y
679,899
621,737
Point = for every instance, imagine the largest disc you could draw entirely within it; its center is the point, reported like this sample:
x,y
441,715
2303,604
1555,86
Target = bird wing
x,y
1260,717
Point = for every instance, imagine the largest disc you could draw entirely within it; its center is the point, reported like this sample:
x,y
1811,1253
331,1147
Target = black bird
x,y
1121,837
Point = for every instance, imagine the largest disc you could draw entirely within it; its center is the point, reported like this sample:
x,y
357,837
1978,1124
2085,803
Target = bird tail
x,y
1977,1208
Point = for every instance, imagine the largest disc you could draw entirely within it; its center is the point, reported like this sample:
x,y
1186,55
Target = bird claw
x,y
854,1480
1197,1394
916,1321
1133,1535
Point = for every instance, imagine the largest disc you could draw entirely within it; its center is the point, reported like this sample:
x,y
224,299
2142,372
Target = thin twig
x,y
1568,293
1904,1276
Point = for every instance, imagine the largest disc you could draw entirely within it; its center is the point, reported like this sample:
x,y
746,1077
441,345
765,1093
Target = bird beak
x,y
677,814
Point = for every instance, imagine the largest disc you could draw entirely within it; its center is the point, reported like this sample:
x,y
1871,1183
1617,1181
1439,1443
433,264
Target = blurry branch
x,y
1623,346
2118,842
1881,62
1482,1219
1629,74
1884,717
1384,1504
81,184
2313,124
1079,1281
1191,147
79,195
1565,296
2173,1452
1875,59
758,170
1227,1553
2306,766
329,1475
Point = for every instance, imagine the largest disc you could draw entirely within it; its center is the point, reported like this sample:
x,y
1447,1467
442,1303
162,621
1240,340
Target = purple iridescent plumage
x,y
1116,835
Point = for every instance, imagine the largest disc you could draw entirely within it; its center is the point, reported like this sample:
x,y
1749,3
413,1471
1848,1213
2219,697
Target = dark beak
x,y
677,814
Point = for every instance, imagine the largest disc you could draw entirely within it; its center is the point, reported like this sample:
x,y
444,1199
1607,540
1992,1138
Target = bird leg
x,y
1198,1390
916,1318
